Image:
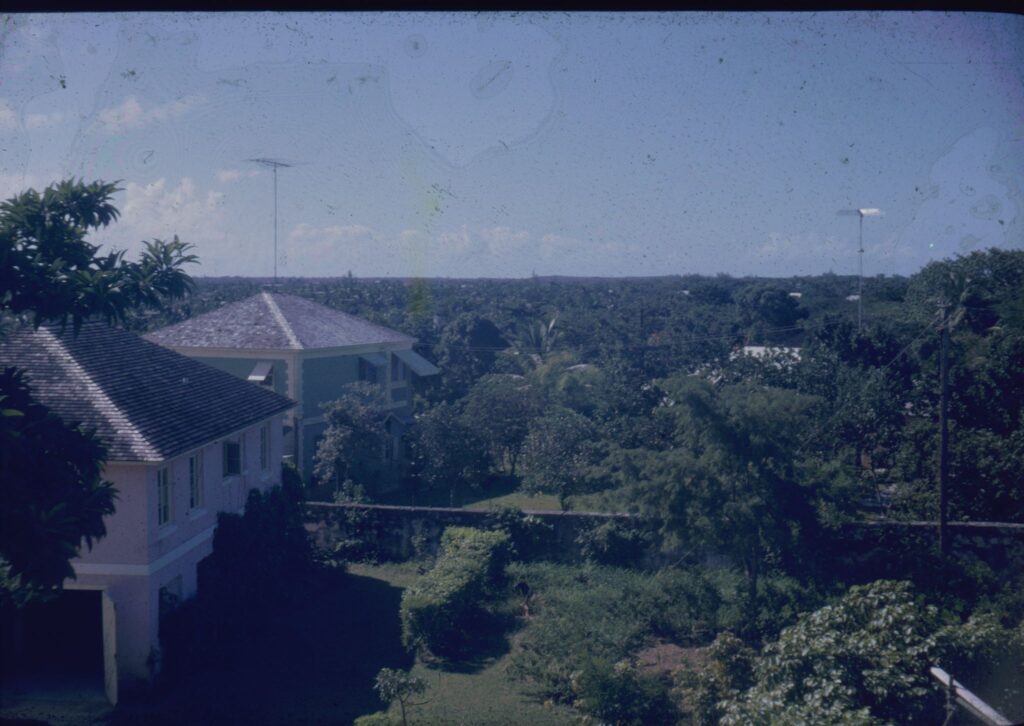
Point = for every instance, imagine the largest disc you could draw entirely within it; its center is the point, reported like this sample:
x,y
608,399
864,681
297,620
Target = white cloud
x,y
160,210
131,114
226,176
43,120
8,116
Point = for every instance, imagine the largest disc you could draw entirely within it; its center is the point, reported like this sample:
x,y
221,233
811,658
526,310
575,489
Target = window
x,y
232,458
367,371
263,374
163,496
195,481
399,370
264,447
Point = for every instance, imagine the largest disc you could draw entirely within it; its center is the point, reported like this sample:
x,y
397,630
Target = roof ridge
x,y
281,320
150,453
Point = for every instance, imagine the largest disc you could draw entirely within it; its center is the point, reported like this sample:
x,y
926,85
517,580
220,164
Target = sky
x,y
505,145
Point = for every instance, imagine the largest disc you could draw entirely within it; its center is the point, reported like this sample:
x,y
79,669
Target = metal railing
x,y
960,696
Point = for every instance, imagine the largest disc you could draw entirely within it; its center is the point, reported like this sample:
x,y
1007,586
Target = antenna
x,y
274,164
861,212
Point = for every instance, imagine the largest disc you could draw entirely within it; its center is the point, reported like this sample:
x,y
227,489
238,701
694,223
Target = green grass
x,y
499,492
519,500
465,693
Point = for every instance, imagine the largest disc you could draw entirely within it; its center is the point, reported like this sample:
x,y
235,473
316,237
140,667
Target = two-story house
x,y
184,440
306,351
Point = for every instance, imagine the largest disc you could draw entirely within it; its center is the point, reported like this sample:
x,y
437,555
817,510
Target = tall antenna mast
x,y
274,165
862,212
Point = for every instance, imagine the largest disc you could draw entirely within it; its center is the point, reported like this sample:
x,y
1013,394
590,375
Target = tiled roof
x,y
275,321
146,403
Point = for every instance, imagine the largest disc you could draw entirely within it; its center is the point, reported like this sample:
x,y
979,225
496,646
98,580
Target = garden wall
x,y
399,533
396,533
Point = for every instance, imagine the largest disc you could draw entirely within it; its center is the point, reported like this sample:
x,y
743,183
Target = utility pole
x,y
860,273
944,544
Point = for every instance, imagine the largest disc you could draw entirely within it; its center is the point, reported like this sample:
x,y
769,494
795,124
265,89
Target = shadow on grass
x,y
311,662
486,640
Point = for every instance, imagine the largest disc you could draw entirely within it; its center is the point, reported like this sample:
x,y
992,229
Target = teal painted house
x,y
305,351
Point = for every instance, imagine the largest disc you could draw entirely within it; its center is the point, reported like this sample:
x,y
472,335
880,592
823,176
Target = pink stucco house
x,y
185,441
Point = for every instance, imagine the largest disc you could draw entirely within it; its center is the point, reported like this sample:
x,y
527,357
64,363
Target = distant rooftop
x,y
275,321
145,402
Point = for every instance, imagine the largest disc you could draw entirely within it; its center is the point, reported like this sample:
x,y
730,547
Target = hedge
x,y
469,569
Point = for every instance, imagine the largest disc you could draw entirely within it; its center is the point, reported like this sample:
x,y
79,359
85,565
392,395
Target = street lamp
x,y
860,212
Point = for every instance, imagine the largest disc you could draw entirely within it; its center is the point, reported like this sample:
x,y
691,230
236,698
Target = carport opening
x,y
54,647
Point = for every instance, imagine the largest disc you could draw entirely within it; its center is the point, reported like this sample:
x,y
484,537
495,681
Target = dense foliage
x,y
861,660
437,612
587,624
351,446
639,395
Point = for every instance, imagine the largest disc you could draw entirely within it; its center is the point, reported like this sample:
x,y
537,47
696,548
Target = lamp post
x,y
861,212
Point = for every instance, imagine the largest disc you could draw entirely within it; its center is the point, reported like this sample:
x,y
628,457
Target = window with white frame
x,y
163,495
265,447
195,480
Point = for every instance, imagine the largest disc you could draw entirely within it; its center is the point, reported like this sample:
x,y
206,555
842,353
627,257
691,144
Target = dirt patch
x,y
668,657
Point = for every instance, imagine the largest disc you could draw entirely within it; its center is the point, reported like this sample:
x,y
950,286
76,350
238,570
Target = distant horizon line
x,y
270,280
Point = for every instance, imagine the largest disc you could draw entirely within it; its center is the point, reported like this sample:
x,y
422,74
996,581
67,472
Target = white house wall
x,y
138,557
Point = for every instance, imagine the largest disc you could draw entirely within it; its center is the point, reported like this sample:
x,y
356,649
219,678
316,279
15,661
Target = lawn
x,y
466,693
499,492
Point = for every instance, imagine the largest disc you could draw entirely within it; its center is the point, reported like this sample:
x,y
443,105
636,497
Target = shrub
x,y
529,534
728,672
614,543
468,571
594,615
861,660
261,560
620,694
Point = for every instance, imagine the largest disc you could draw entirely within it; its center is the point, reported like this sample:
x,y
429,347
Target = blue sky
x,y
497,145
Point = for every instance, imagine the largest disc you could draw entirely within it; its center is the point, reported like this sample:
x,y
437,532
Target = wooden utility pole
x,y
944,434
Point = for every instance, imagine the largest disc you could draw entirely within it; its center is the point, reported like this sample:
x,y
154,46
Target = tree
x,y
535,341
499,408
52,494
466,352
447,453
732,481
557,453
353,443
394,685
771,306
862,660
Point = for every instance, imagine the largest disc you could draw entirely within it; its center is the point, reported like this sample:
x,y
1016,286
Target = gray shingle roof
x,y
146,403
275,321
